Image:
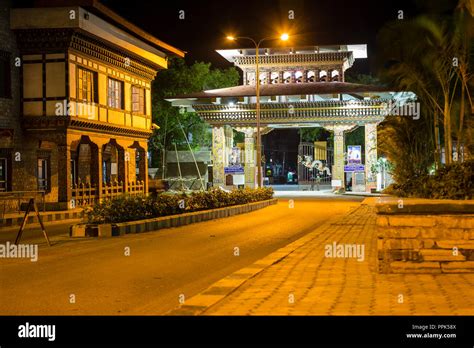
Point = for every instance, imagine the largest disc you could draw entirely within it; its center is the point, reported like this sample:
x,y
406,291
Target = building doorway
x,y
280,151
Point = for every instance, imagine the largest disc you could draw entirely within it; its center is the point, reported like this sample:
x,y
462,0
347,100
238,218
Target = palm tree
x,y
429,55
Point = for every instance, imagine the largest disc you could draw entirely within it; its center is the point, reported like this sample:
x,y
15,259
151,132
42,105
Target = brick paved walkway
x,y
308,283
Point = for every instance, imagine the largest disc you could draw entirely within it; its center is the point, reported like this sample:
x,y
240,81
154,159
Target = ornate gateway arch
x,y
300,87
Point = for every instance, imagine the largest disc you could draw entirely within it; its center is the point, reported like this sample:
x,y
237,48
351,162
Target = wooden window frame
x,y
140,94
115,91
88,79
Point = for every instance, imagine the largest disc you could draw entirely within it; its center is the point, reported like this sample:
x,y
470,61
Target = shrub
x,y
131,208
454,181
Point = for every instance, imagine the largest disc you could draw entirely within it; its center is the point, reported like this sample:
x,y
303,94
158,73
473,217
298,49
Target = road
x,y
95,276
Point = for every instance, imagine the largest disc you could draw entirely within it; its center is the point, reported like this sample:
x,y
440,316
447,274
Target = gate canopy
x,y
298,105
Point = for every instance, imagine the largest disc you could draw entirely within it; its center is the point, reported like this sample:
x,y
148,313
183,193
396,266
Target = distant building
x,y
75,101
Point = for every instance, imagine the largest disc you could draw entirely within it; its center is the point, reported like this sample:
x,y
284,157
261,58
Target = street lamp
x,y
283,37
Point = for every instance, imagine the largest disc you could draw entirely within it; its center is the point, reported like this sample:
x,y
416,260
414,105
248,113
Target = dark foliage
x,y
131,208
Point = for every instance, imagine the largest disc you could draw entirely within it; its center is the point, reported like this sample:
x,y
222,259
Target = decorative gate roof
x,y
322,113
286,89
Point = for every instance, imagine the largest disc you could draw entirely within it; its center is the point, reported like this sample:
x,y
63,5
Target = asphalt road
x,y
162,267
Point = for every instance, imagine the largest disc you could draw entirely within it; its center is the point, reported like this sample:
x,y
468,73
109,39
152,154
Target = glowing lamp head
x,y
284,37
230,38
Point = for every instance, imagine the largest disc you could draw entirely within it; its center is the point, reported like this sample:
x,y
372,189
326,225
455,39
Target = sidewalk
x,y
302,281
16,218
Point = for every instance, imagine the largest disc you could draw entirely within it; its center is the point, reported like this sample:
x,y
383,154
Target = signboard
x,y
234,157
238,179
354,168
236,169
354,154
336,183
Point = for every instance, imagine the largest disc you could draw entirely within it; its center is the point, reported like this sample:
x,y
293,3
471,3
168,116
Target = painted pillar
x,y
222,141
249,164
370,155
338,167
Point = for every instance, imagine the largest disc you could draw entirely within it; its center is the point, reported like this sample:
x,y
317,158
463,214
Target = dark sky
x,y
317,22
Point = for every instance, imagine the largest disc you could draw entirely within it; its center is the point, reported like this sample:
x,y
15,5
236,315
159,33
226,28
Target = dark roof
x,y
106,13
286,89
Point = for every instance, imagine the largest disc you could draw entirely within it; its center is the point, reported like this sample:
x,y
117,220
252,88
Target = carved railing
x,y
85,194
304,111
296,58
137,187
111,190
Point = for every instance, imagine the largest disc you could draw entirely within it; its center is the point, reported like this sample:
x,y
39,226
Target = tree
x,y
181,78
315,134
431,55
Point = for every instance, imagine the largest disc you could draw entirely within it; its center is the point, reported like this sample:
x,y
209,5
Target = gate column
x,y
370,155
222,138
249,165
338,167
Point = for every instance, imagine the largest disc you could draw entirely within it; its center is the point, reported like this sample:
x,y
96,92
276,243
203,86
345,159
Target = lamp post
x,y
283,37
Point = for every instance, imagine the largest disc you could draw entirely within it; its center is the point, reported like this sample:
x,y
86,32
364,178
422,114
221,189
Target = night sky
x,y
317,22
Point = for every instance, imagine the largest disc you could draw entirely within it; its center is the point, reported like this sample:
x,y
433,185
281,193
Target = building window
x,y
298,76
5,75
73,172
323,76
86,85
274,77
3,174
138,100
250,78
43,174
115,94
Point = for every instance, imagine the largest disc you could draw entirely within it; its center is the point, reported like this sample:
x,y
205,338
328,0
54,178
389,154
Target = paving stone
x,y
338,286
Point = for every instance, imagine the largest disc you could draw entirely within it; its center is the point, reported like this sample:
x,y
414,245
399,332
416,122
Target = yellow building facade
x,y
85,103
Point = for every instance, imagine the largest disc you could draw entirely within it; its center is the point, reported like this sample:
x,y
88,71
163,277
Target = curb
x,y
147,225
46,217
200,303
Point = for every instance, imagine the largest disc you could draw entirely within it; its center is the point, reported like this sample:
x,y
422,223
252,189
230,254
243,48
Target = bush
x,y
131,208
454,181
